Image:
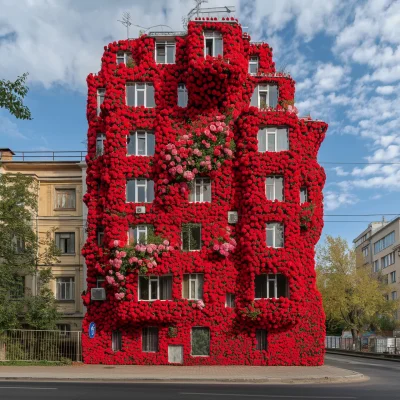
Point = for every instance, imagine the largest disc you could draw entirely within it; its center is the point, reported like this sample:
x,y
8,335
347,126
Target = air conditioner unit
x,y
232,217
140,210
98,294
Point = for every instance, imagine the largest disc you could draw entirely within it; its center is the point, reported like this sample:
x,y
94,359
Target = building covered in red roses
x,y
204,205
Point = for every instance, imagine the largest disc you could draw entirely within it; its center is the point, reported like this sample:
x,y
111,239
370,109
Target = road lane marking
x,y
28,387
266,395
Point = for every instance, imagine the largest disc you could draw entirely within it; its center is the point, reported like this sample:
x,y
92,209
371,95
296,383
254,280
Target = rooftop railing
x,y
43,156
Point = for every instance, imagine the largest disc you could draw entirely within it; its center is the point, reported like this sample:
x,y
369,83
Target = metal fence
x,y
63,155
34,345
388,345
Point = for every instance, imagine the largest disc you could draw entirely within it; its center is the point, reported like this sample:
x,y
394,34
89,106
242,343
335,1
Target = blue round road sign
x,y
92,330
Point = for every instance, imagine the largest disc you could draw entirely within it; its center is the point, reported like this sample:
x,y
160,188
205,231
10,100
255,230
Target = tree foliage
x,y
24,253
353,296
12,95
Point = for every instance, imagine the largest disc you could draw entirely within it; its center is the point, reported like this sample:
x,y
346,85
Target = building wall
x,y
51,176
219,89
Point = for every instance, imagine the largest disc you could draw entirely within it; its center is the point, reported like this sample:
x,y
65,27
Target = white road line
x,y
274,396
28,387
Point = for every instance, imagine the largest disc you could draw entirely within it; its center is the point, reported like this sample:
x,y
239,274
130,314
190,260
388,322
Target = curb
x,y
356,377
383,357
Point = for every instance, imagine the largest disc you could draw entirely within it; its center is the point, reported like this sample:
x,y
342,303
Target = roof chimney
x,y
6,154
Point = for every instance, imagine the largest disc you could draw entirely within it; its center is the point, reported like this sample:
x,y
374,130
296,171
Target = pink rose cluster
x,y
225,248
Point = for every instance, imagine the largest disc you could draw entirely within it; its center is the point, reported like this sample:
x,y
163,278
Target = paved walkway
x,y
137,373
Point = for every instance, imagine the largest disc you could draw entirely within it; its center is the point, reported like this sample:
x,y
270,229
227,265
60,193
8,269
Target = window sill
x,y
200,355
155,300
190,251
67,254
64,209
65,301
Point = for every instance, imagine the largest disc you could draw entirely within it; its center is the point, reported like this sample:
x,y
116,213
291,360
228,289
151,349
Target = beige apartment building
x,y
379,246
61,211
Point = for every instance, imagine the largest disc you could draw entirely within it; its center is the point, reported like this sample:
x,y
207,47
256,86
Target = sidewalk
x,y
197,374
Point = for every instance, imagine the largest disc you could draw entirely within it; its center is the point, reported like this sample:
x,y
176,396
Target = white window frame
x,y
144,89
166,44
124,56
388,260
212,35
376,266
254,60
273,130
136,136
150,279
365,251
193,278
394,295
136,190
72,241
140,228
201,244
64,329
101,93
393,277
69,288
304,189
274,231
158,339
230,300
200,182
270,278
274,187
183,89
59,192
100,139
385,242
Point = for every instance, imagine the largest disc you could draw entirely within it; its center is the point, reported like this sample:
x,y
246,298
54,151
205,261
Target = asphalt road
x,y
384,384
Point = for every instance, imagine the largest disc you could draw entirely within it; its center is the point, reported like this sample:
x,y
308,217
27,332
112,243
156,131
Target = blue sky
x,y
343,54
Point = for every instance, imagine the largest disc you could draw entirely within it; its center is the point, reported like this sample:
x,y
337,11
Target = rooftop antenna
x,y
126,21
194,10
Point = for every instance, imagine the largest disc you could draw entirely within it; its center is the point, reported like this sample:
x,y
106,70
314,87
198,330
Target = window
x,y
265,96
394,295
18,290
273,139
124,57
116,340
230,300
65,242
182,95
303,195
274,187
141,143
139,234
253,65
150,339
275,235
261,337
155,287
387,260
140,94
192,286
165,52
362,239
383,243
65,199
376,266
365,251
200,190
65,329
139,191
200,341
100,99
213,44
100,236
65,288
269,286
19,244
191,237
100,139
393,277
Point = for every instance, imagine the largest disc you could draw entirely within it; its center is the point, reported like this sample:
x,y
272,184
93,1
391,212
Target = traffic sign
x,y
92,330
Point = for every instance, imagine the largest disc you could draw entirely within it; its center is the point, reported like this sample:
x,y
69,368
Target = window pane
x,y
139,98
260,286
71,243
150,191
182,98
165,287
271,288
209,47
261,337
207,190
270,189
130,95
153,289
270,235
160,53
271,142
141,140
218,47
200,280
130,190
143,288
200,341
263,99
150,144
303,195
132,144
279,188
278,235
185,285
262,140
150,95
253,67
185,238
282,141
171,54
193,289
273,96
282,285
196,235
254,97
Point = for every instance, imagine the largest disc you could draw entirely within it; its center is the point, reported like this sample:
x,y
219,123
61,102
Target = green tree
x,y
23,253
353,296
12,95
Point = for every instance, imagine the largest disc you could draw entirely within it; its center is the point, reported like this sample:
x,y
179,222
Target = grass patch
x,y
35,363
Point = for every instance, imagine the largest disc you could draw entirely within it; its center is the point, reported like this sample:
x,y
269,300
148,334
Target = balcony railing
x,y
43,156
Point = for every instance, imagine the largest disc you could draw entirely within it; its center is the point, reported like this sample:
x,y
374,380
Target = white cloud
x,y
329,77
340,171
334,200
10,129
385,89
385,155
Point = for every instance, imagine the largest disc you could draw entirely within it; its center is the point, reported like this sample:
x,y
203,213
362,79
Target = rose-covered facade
x,y
220,292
